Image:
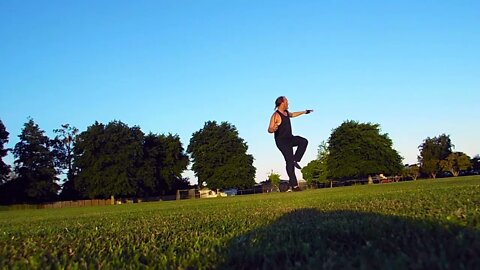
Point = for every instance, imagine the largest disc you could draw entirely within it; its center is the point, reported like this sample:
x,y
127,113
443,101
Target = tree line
x,y
359,150
117,160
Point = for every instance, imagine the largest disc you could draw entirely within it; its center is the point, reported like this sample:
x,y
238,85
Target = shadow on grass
x,y
310,239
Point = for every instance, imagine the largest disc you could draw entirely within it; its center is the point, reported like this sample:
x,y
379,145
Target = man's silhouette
x,y
284,139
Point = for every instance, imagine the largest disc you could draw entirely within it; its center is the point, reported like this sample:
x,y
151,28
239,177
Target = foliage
x,y
422,224
463,162
63,145
412,171
357,150
456,162
316,170
274,178
118,160
36,177
163,162
220,157
432,151
4,168
476,163
431,166
179,184
108,160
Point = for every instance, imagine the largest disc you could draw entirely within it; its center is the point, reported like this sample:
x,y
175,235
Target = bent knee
x,y
305,141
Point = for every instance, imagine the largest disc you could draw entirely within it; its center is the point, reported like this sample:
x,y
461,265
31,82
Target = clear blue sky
x,y
168,66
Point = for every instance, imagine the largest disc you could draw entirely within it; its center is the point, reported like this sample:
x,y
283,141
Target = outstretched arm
x,y
295,114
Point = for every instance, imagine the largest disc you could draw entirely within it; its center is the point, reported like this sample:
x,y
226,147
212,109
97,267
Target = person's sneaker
x,y
289,189
297,165
297,188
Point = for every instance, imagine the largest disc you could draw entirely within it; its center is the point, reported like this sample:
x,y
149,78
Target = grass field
x,y
426,224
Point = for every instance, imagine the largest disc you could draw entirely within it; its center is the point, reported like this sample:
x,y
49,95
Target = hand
x,y
308,111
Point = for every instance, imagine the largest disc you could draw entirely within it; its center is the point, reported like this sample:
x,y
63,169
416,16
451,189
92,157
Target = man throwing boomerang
x,y
284,139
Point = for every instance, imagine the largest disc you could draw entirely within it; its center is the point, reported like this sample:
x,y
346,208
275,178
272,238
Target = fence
x,y
190,194
80,203
83,203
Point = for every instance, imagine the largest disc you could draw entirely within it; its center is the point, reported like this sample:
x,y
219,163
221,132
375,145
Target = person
x,y
280,125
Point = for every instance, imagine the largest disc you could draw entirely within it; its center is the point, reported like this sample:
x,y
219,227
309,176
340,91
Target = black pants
x,y
286,147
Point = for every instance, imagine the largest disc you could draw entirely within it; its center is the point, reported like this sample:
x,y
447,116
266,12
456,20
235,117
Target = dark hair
x,y
279,101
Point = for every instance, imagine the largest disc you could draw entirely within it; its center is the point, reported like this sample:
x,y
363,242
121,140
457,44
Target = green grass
x,y
432,224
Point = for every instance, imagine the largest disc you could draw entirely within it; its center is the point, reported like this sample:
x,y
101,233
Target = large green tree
x,y
432,152
220,157
108,160
357,150
164,160
36,177
4,168
316,170
456,162
63,148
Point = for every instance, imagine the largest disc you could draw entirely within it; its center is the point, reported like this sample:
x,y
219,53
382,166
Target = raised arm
x,y
295,114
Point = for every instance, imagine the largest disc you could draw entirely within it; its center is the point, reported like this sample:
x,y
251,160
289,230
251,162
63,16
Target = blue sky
x,y
168,66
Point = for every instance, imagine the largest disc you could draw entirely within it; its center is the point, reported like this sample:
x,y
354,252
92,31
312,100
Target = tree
x,y
476,163
164,160
316,170
431,167
274,179
455,162
180,183
412,171
175,161
63,145
432,151
109,158
4,168
36,179
358,150
151,181
220,157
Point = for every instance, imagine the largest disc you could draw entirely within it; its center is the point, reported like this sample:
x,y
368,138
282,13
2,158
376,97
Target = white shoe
x,y
289,189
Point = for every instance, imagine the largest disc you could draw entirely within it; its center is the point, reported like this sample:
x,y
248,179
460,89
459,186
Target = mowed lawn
x,y
425,224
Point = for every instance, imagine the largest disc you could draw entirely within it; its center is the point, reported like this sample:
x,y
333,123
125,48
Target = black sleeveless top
x,y
284,131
